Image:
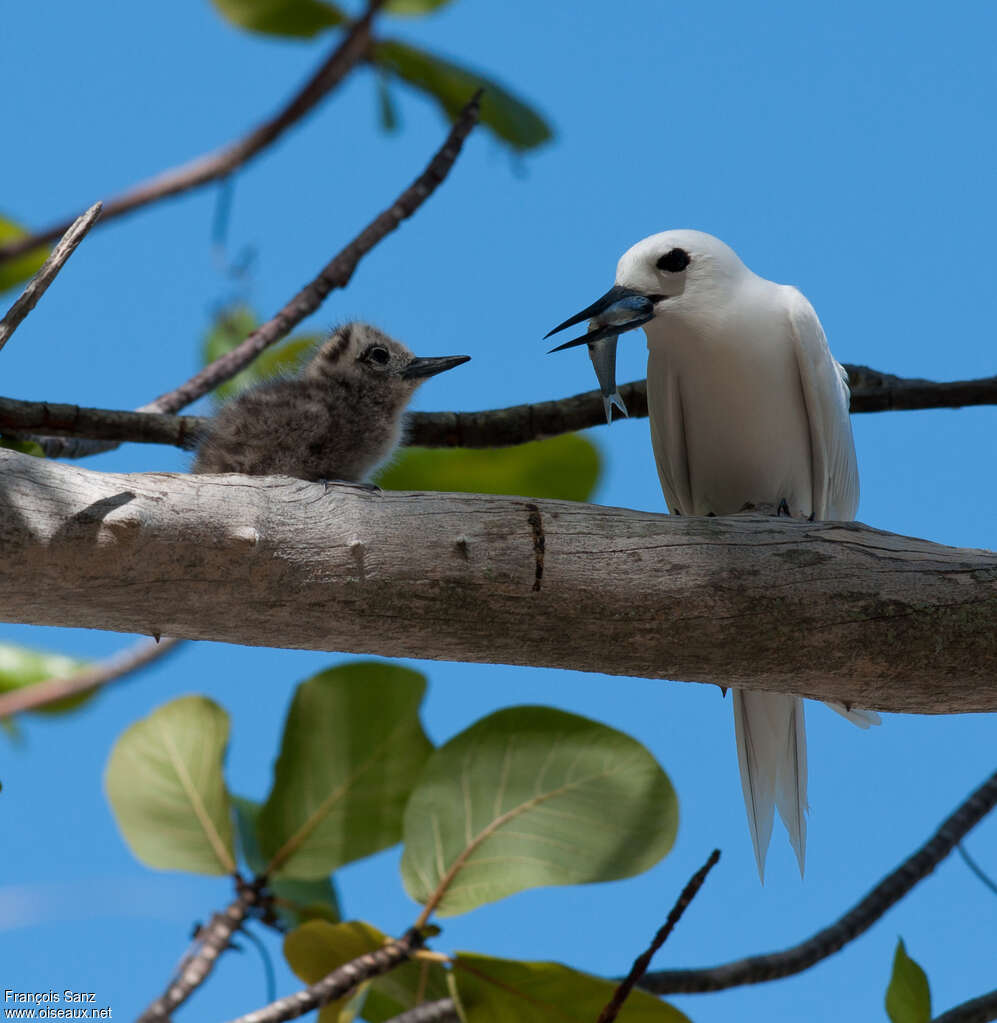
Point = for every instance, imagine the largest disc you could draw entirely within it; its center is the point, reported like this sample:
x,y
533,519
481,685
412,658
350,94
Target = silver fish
x,y
603,356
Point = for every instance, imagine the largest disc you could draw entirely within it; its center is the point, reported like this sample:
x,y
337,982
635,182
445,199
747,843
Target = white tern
x,y
747,408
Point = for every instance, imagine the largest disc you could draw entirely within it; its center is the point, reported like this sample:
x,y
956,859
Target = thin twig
x,y
491,428
757,969
213,940
48,272
212,166
336,273
643,961
340,982
978,1010
442,1011
976,868
51,690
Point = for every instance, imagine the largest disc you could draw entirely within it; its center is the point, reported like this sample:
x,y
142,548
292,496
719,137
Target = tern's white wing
x,y
664,406
835,472
825,393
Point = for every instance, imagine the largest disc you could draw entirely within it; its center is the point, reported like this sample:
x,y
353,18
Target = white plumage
x,y
747,407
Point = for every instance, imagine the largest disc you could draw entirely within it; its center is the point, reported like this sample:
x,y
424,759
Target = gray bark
x,y
834,611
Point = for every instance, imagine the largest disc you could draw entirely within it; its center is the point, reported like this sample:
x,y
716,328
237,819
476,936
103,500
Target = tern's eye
x,y
674,261
377,355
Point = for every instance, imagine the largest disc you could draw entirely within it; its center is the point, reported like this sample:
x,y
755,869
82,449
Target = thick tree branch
x,y
48,272
212,941
340,982
872,391
212,166
889,891
52,690
850,613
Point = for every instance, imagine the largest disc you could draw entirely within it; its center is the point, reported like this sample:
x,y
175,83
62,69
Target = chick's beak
x,y
619,310
419,369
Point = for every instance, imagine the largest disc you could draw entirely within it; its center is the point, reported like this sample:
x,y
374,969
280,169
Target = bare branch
x,y
336,274
212,941
41,694
340,982
212,166
979,1010
492,428
99,424
48,272
889,891
641,963
851,614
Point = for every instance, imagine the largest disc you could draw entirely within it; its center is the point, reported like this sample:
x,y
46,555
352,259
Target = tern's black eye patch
x,y
673,261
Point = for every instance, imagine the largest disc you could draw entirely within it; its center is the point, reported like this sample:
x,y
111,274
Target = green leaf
x,y
26,447
20,667
908,998
298,18
317,948
506,991
413,7
532,796
230,328
23,268
294,901
565,467
452,85
164,781
352,749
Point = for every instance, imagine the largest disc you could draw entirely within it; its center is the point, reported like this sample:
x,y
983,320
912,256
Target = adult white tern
x,y
747,407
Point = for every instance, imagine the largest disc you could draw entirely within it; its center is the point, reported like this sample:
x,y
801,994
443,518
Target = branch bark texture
x,y
48,272
834,611
212,942
340,982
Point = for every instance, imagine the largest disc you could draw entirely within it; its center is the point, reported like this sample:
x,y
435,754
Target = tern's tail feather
x,y
772,755
608,401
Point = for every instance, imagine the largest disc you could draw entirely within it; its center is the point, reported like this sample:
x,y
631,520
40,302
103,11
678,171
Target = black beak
x,y
418,369
619,310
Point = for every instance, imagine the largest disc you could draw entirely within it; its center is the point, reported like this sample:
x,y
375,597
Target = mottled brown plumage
x,y
338,420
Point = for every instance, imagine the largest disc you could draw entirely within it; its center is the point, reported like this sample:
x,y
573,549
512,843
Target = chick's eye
x,y
674,261
377,355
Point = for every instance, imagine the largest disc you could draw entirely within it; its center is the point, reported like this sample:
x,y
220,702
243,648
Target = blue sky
x,y
843,149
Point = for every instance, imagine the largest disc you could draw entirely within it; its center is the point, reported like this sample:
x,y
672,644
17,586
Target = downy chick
x,y
337,420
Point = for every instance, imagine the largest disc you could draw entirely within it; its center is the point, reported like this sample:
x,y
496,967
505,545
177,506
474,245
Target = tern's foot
x,y
783,509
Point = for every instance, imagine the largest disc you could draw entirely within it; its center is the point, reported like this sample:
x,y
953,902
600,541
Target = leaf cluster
x,y
527,796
